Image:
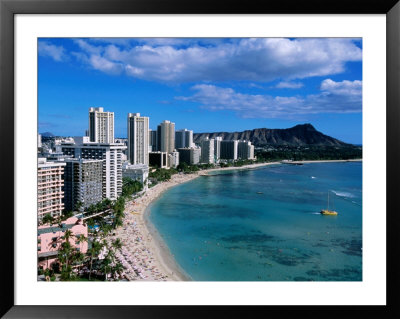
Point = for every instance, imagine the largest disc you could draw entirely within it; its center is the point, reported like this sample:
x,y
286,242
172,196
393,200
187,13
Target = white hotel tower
x,y
167,136
138,139
101,125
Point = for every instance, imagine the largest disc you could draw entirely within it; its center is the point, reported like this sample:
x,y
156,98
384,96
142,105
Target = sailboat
x,y
327,211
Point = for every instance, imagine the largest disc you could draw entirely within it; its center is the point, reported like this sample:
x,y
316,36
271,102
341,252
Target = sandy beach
x,y
144,253
143,249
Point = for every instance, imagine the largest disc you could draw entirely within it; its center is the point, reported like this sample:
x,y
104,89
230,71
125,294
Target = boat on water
x,y
328,211
260,193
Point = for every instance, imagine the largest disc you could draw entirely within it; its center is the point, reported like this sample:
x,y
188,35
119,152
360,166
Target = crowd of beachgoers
x,y
143,256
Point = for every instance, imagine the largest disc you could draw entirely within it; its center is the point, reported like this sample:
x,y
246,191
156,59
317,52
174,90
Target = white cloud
x,y
289,85
265,106
258,60
57,53
344,88
101,64
86,47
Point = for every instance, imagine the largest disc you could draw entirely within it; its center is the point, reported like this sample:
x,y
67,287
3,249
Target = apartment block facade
x,y
110,154
158,159
101,125
207,151
167,136
138,139
245,150
152,141
50,180
183,138
138,172
83,183
217,147
190,155
229,150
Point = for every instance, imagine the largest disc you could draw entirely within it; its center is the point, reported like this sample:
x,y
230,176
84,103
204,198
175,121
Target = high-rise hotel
x,y
83,183
138,139
101,125
166,136
50,188
109,153
183,138
207,151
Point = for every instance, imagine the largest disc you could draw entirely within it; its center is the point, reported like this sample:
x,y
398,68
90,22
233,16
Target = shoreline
x,y
158,260
141,238
328,161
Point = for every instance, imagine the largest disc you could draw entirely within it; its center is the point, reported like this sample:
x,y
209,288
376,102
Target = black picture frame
x,y
8,8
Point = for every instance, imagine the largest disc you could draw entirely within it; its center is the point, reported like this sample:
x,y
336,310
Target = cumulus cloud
x,y
258,60
342,88
331,99
85,46
55,52
107,66
289,85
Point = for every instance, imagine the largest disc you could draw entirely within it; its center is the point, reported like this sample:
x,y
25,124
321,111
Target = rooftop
x,y
54,229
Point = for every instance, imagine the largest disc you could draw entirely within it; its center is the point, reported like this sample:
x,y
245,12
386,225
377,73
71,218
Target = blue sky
x,y
207,85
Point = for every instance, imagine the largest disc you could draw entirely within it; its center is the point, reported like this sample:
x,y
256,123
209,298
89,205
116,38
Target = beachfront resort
x,y
93,192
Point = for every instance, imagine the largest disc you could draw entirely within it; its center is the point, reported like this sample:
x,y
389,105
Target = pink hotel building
x,y
50,201
50,183
50,238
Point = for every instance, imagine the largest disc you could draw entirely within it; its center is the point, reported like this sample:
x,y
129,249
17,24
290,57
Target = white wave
x,y
343,194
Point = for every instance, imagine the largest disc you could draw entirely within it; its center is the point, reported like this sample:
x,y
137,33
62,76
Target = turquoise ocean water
x,y
264,224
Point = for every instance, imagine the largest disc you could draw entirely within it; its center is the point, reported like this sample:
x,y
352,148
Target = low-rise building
x,y
173,159
138,172
158,159
50,238
189,155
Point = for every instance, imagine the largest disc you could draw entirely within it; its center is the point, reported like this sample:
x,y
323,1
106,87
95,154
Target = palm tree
x,y
106,266
93,252
118,222
68,234
78,205
107,202
106,229
117,244
98,207
118,268
47,219
92,209
79,258
65,254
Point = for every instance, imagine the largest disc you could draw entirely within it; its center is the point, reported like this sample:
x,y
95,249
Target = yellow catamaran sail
x,y
327,211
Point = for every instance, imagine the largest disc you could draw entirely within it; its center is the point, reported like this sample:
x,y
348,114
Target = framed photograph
x,y
175,154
